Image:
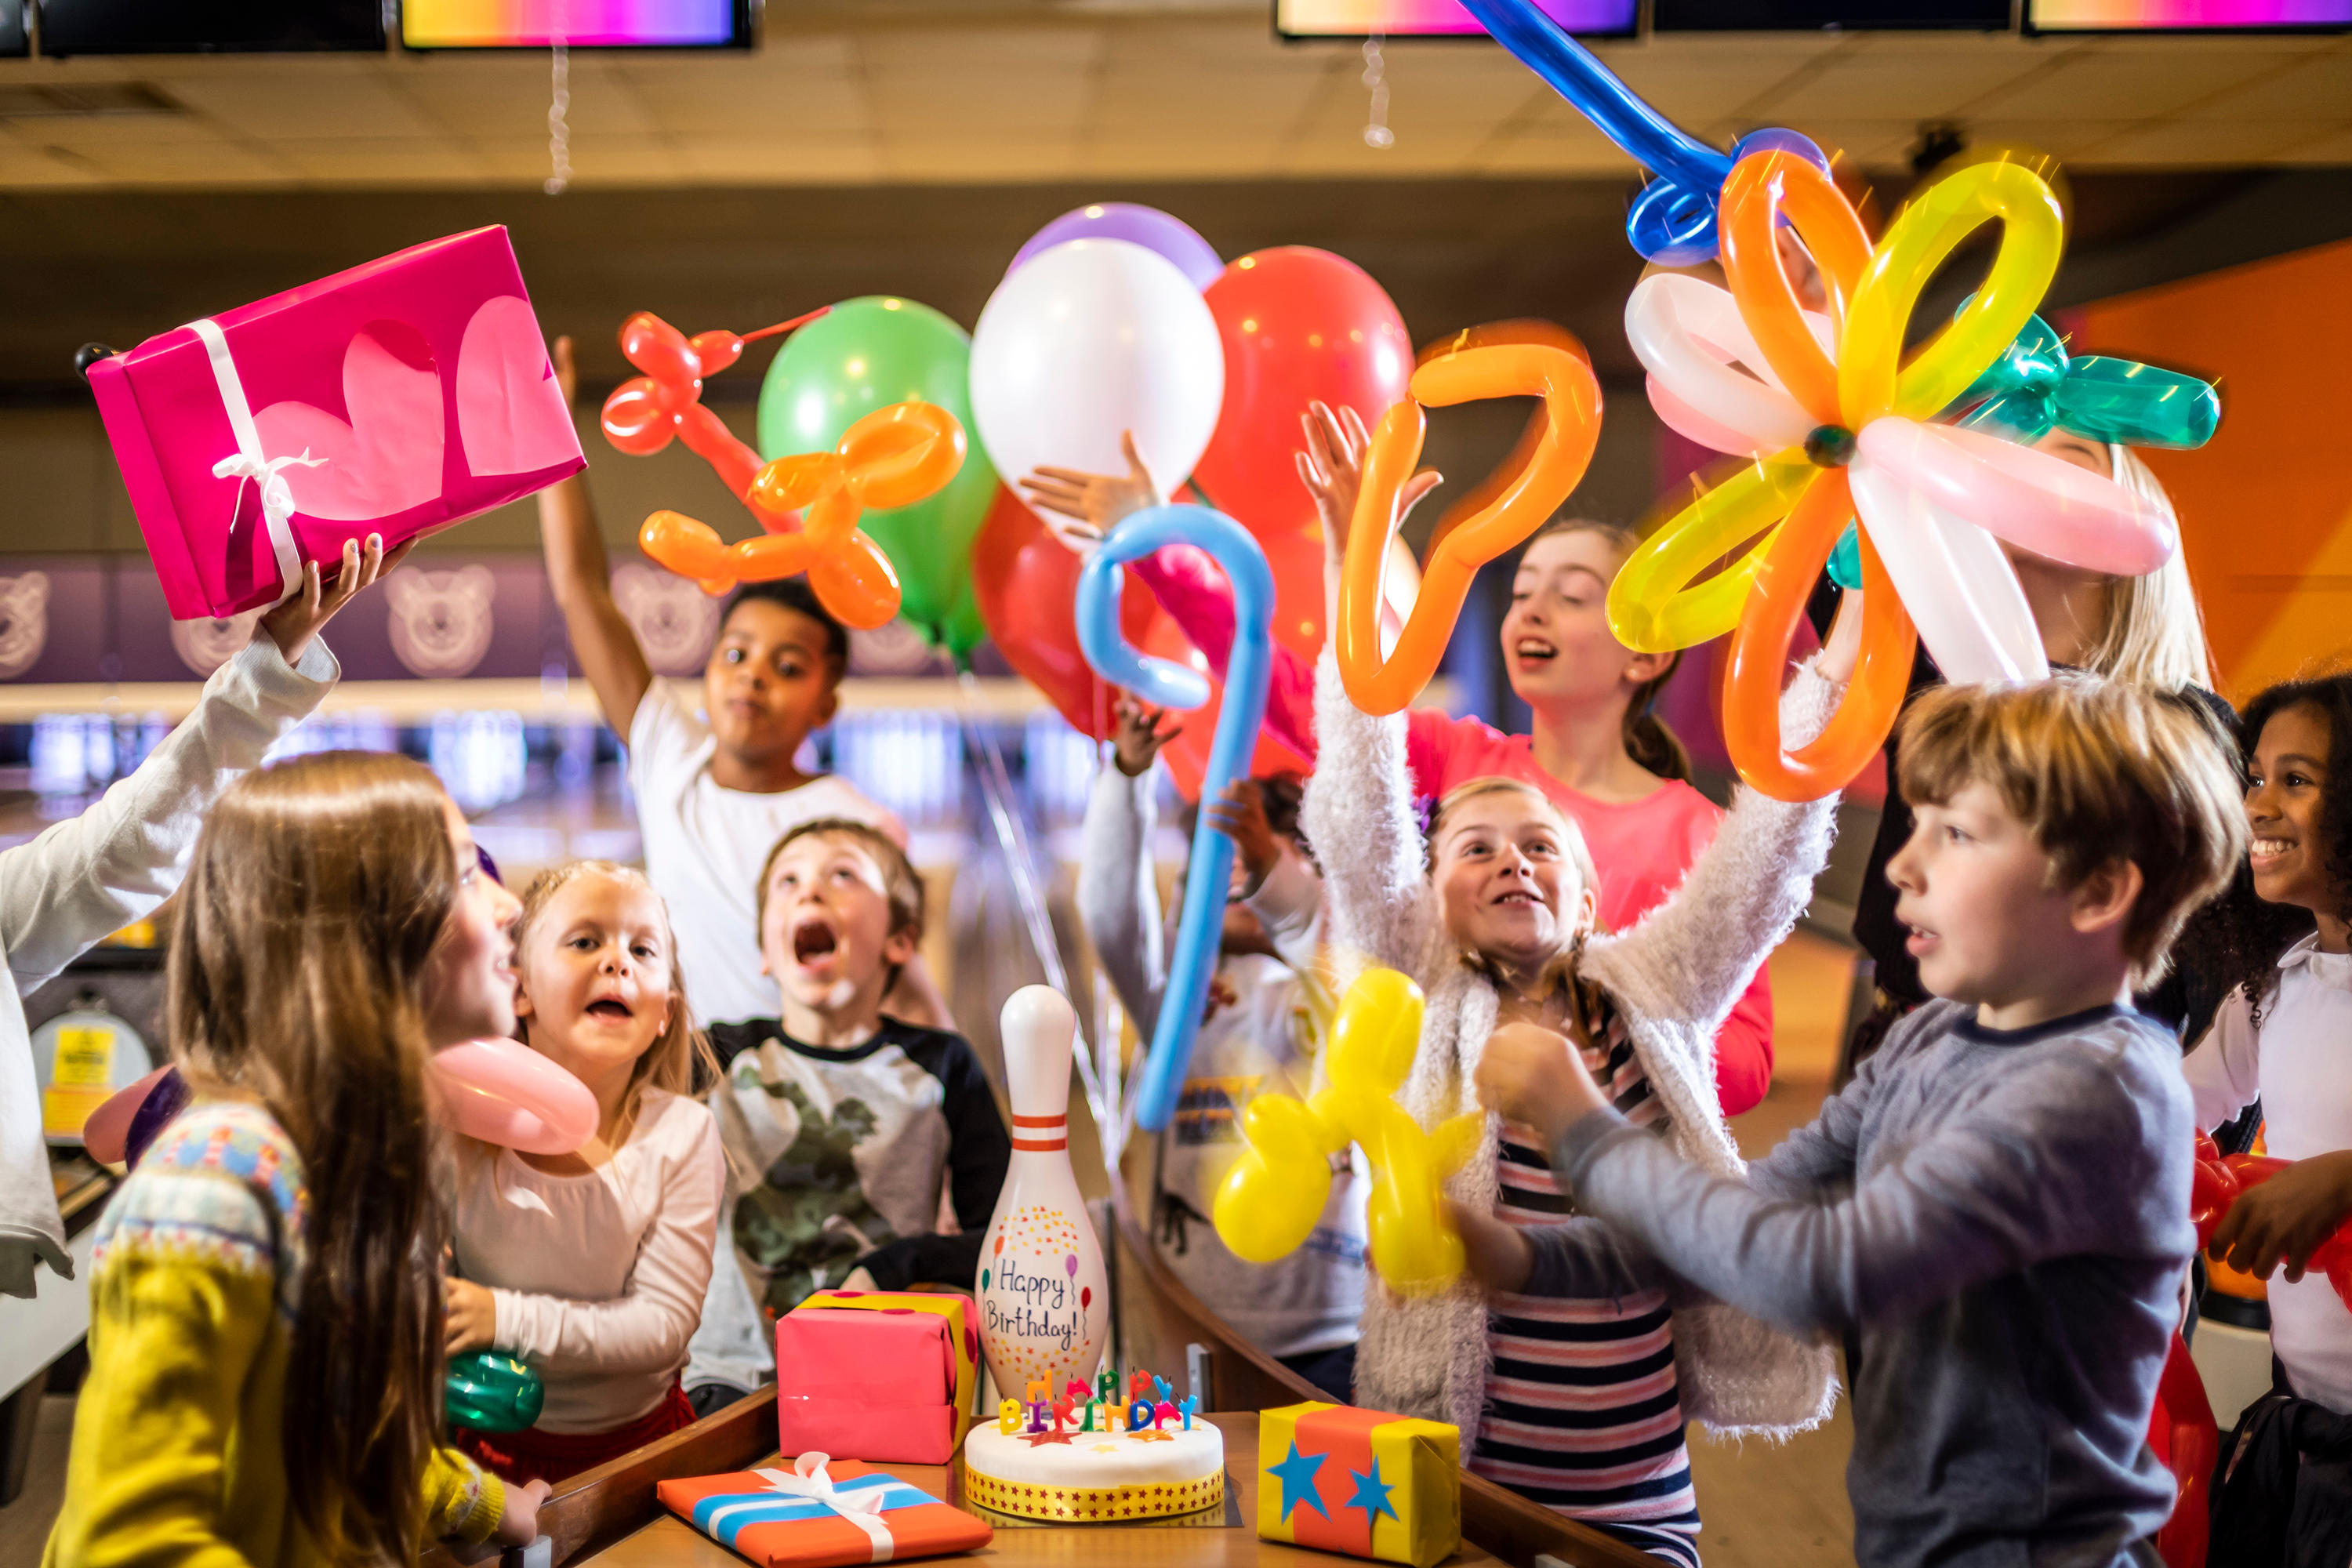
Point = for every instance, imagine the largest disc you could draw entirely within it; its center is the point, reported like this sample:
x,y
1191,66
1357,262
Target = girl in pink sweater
x,y
1595,748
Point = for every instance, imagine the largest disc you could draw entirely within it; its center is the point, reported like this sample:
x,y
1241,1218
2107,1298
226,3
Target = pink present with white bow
x,y
399,398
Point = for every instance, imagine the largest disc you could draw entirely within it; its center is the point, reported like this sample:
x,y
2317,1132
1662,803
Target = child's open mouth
x,y
610,1008
814,939
2268,851
1534,650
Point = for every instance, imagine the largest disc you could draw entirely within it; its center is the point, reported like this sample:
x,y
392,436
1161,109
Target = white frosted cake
x,y
1102,1477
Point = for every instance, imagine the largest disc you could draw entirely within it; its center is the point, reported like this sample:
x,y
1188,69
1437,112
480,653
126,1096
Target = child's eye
x,y
732,656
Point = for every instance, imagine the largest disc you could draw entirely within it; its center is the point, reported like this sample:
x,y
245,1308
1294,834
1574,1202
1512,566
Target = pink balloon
x,y
2034,501
502,1091
1688,422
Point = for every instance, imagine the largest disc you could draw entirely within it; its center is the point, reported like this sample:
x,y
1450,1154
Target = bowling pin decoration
x,y
1043,1306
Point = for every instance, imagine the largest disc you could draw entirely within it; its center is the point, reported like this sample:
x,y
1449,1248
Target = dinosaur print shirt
x,y
838,1160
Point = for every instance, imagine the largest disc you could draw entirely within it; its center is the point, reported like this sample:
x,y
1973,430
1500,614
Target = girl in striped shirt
x,y
1579,1405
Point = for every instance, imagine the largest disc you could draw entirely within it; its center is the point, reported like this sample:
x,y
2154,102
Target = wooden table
x,y
669,1543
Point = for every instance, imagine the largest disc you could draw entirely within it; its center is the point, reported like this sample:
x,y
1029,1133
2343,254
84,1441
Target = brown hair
x,y
313,900
2098,770
1646,738
679,1060
900,881
1572,840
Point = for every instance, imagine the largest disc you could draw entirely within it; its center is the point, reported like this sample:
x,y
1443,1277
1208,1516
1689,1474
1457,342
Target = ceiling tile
x,y
2188,142
2137,84
2059,138
2320,89
1890,84
362,161
275,103
2334,148
795,160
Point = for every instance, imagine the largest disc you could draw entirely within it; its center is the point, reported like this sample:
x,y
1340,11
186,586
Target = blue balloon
x,y
1201,926
1672,220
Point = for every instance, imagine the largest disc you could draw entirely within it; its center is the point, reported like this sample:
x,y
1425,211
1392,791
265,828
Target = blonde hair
x,y
1572,840
2155,634
2098,770
679,1060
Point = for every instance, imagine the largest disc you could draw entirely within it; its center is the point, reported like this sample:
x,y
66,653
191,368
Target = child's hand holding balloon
x,y
2287,1219
1536,1076
471,1319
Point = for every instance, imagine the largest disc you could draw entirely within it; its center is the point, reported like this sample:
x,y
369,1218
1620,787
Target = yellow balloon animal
x,y
1274,1194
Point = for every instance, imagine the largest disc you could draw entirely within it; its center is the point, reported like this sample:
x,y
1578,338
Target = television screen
x,y
2185,15
1438,18
192,27
1807,15
14,39
582,23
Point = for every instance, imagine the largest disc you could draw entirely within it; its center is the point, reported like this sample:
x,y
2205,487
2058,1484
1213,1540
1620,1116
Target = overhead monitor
x,y
1438,18
2186,15
15,39
580,24
1818,15
205,27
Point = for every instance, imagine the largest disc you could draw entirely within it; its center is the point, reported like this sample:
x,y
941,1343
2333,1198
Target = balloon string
x,y
787,326
559,125
996,789
1377,133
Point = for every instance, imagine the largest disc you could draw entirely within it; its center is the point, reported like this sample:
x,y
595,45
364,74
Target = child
x,y
1265,1008
841,1124
713,793
1491,914
1595,746
82,880
266,1363
1998,1204
593,1266
2279,1040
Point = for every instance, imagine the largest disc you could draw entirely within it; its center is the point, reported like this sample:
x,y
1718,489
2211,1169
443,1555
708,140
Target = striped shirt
x,y
1582,1414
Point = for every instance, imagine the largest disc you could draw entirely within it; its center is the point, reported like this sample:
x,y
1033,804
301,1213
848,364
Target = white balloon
x,y
1960,590
1088,340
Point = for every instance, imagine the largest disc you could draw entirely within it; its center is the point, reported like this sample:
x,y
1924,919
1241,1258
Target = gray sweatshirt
x,y
2002,1216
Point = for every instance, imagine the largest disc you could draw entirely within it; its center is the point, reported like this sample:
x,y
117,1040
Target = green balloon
x,y
868,353
492,1393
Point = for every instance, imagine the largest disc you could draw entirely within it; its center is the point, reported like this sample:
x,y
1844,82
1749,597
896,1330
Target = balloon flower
x,y
502,1091
1167,684
1271,1199
491,1393
1549,466
892,458
646,411
2222,1180
1672,221
2035,387
1833,420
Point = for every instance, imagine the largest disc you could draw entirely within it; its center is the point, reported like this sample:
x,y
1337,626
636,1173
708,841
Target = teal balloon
x,y
492,1393
868,353
2035,386
1845,561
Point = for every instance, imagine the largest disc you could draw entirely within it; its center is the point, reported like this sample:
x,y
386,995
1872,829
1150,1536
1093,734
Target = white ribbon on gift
x,y
249,463
861,1506
1935,502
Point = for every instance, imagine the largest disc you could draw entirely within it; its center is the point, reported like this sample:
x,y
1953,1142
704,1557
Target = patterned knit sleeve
x,y
1359,818
461,1498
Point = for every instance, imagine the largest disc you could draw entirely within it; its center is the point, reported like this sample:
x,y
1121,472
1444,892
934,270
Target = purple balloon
x,y
1147,227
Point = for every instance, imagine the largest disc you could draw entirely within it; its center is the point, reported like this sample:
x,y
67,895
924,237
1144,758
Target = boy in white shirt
x,y
715,793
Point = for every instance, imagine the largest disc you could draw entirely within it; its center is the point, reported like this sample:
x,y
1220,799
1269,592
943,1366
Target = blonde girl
x,y
265,1365
592,1267
1577,1405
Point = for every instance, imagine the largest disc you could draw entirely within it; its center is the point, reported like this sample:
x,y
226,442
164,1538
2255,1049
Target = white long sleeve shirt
x,y
2300,1064
598,1279
89,875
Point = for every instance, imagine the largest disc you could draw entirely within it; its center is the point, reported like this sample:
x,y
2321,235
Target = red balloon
x,y
1299,325
1026,585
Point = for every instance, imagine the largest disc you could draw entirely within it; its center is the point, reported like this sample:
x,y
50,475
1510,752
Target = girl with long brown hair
x,y
592,1265
265,1345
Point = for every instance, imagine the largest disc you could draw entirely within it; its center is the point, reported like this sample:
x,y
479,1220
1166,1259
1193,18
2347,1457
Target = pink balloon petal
x,y
2035,501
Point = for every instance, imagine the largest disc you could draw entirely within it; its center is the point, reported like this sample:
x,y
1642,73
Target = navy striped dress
x,y
1582,1413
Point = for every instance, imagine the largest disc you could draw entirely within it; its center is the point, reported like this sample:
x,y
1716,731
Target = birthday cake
x,y
1102,1462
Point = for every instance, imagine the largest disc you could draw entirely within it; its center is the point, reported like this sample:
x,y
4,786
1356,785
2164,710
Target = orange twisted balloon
x,y
892,458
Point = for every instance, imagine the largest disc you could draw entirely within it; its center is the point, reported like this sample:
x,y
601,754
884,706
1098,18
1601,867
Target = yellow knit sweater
x,y
177,1449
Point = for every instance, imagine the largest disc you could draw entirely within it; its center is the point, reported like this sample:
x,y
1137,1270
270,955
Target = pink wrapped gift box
x,y
397,398
881,1376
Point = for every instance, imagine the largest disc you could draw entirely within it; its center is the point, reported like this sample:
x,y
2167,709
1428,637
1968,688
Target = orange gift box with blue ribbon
x,y
1360,1481
822,1513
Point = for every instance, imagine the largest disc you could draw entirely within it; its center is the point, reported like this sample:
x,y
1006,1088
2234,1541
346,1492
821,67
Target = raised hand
x,y
1240,815
293,623
1136,743
1082,508
1332,467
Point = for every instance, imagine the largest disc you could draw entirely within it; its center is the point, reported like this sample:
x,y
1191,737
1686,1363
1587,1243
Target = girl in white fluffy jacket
x,y
1577,1404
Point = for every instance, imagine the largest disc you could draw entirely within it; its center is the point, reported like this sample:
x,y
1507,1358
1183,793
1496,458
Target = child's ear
x,y
2104,900
900,945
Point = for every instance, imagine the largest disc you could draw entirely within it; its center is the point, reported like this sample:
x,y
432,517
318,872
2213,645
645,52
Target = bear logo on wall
x,y
674,619
204,645
440,620
23,622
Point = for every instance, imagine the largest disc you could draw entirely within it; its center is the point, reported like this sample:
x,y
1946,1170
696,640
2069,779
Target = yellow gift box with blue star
x,y
1360,1481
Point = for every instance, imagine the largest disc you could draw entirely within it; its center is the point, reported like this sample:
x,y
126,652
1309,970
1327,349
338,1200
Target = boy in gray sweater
x,y
1996,1208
